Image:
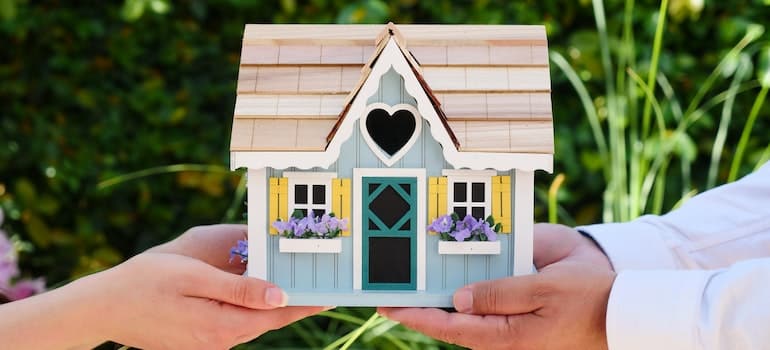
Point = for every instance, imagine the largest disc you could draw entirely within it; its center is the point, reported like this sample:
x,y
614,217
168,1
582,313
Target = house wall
x,y
445,273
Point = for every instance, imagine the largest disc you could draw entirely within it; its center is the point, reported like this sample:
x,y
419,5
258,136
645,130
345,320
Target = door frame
x,y
358,174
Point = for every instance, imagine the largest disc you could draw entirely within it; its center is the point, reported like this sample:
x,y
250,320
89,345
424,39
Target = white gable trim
x,y
391,56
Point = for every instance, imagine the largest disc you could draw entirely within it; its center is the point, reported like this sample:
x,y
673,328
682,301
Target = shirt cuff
x,y
655,310
632,245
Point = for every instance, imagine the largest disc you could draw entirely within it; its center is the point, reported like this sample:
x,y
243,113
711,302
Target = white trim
x,y
358,174
256,184
376,149
391,56
469,248
524,215
467,172
470,160
309,179
309,245
468,177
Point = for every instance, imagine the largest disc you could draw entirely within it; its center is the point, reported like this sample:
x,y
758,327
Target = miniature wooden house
x,y
390,127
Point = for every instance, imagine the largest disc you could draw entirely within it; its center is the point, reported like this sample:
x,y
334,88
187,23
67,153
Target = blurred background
x,y
115,119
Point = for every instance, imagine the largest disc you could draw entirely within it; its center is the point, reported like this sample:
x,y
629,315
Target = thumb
x,y
507,296
247,292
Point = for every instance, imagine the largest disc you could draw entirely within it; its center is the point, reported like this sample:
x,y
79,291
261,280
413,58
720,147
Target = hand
x,y
210,244
562,307
173,296
169,301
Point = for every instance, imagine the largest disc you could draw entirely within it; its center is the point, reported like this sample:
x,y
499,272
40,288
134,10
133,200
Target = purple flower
x,y
460,235
9,270
469,222
489,232
25,288
442,224
240,250
282,226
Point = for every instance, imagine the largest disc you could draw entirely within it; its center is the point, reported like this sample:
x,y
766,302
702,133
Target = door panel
x,y
389,233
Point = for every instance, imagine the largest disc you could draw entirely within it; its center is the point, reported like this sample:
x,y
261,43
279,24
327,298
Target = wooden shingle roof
x,y
491,83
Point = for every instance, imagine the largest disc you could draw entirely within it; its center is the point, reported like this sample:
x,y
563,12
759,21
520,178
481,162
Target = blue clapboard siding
x,y
444,273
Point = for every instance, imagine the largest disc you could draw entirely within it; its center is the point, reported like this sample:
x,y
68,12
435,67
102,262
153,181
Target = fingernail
x,y
276,297
463,300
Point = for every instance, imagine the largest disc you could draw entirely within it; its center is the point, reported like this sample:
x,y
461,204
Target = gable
x,y
488,85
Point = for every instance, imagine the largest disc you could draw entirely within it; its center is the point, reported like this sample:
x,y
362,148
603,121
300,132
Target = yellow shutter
x,y
436,198
501,201
341,201
279,201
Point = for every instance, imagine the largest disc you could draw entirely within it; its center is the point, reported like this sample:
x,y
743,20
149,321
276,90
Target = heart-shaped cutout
x,y
390,130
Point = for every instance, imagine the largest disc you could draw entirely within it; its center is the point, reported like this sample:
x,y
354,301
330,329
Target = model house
x,y
390,127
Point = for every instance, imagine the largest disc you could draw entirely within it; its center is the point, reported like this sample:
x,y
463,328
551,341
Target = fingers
x,y
473,331
247,292
259,322
210,244
507,296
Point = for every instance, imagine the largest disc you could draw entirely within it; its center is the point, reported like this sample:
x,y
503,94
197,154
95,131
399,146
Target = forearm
x,y
69,317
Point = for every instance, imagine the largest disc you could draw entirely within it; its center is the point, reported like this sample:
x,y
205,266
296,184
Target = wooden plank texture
x,y
242,133
487,78
320,79
247,79
299,54
278,79
259,54
414,34
532,136
311,134
338,54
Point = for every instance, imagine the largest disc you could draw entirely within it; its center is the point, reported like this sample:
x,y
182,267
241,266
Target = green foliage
x,y
115,118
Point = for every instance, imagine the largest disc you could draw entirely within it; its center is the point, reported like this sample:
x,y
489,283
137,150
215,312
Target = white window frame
x,y
469,177
310,179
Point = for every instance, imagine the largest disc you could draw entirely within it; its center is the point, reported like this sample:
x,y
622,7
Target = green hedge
x,y
94,90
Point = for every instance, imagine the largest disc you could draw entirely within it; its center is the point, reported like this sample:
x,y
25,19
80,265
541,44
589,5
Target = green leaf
x,y
160,6
133,9
763,70
7,9
490,220
498,227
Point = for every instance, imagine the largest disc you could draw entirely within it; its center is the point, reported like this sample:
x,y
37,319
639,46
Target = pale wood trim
x,y
415,34
523,226
256,184
310,245
469,248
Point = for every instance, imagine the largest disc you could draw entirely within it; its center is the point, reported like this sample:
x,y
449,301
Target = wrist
x,y
594,249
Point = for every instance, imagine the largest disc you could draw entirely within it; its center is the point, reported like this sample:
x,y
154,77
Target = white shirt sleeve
x,y
712,230
654,306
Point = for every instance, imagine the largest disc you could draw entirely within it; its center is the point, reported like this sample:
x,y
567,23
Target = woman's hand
x,y
171,301
184,294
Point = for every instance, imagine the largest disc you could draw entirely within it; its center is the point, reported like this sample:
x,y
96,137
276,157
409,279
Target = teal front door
x,y
389,226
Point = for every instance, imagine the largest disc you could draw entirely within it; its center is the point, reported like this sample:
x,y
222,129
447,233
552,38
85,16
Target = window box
x,y
469,248
310,245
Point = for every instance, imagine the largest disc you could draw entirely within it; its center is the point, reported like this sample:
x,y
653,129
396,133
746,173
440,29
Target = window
x,y
469,192
309,192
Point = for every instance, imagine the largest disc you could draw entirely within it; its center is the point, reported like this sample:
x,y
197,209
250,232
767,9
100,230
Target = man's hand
x,y
562,307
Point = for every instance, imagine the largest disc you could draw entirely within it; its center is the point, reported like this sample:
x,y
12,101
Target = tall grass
x,y
646,130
